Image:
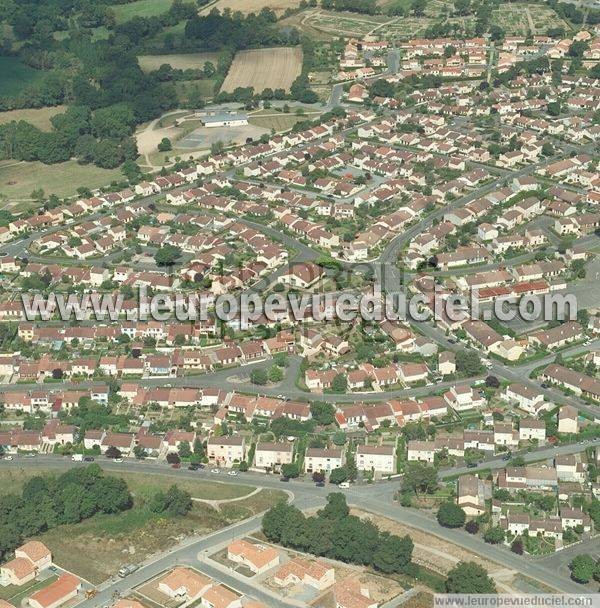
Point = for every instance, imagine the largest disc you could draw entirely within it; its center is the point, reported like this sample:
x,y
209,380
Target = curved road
x,y
376,498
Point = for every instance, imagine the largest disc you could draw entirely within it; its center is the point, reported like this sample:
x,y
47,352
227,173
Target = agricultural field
x,y
275,68
183,61
141,8
524,19
350,24
280,121
38,117
19,179
16,76
252,6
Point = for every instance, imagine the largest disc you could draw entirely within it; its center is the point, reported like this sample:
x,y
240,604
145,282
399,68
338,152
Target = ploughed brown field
x,y
274,68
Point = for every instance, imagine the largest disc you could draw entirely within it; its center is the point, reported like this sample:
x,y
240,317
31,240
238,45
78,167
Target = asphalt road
x,y
376,498
541,453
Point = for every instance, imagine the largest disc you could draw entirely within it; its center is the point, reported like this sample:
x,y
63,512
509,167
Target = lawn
x,y
205,87
16,594
141,8
16,76
38,117
271,119
18,180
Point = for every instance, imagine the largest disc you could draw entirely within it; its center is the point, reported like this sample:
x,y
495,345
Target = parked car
x,y
176,465
215,471
9,457
344,485
320,484
118,460
193,467
88,459
284,479
232,473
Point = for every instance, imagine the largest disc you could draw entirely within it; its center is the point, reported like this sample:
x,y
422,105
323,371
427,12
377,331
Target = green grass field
x,y
39,117
271,119
181,61
16,76
185,87
18,180
141,8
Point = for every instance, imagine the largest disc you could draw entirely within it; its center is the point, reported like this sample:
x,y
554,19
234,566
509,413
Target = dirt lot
x,y
178,62
252,6
441,558
274,68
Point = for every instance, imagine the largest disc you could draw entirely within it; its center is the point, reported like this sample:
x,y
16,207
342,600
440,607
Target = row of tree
x,y
335,534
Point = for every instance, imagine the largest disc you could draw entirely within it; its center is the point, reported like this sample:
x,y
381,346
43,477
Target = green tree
x,y
494,535
167,255
420,477
165,145
393,554
469,577
582,568
290,470
450,515
339,384
338,475
275,374
185,451
259,376
468,362
322,413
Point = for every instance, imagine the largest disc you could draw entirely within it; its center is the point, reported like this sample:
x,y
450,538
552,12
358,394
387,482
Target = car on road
x,y
284,479
452,341
232,473
471,465
507,456
8,458
545,385
344,485
125,570
320,484
193,467
215,471
118,460
176,465
88,459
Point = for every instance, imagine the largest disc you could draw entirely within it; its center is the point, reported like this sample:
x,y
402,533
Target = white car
x,y
118,460
215,471
8,458
232,473
344,485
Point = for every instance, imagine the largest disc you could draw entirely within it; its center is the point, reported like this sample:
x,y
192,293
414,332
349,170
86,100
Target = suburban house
x,y
319,459
226,451
380,459
273,455
258,558
57,593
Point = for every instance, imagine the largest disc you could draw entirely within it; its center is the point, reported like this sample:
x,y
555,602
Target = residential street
x,y
376,498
